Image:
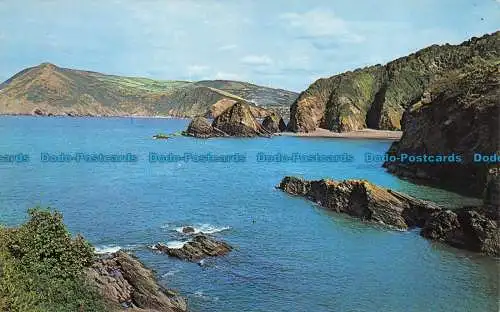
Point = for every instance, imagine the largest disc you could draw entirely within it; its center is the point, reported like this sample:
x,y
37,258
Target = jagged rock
x,y
239,121
200,127
361,199
471,228
200,247
188,229
459,116
274,123
376,97
125,283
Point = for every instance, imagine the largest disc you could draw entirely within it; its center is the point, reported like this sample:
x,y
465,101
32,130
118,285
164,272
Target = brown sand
x,y
359,134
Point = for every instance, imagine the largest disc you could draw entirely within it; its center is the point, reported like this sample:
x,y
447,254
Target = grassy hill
x,y
47,89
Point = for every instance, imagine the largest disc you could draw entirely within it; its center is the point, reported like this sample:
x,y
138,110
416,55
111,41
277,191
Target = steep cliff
x,y
376,97
458,115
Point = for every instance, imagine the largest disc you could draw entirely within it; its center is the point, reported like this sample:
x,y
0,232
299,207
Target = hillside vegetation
x,y
51,90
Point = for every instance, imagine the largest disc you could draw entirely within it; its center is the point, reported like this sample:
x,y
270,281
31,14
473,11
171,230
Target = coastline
x,y
94,116
358,134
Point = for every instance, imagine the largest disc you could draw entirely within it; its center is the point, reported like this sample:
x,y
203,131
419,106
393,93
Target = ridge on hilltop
x,y
376,96
48,89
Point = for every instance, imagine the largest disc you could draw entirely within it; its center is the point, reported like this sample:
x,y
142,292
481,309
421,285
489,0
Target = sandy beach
x,y
359,134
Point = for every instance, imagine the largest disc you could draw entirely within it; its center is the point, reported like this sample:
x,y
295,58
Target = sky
x,y
280,43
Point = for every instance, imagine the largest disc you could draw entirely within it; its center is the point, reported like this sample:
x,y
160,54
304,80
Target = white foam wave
x,y
107,249
176,244
203,228
171,273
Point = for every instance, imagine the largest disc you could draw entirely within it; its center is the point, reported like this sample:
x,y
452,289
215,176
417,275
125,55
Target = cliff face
x,y
458,114
376,97
51,90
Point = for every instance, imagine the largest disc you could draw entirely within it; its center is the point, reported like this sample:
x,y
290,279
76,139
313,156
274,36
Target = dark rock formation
x,y
376,97
188,229
472,228
125,283
239,121
274,123
457,115
200,127
361,199
200,247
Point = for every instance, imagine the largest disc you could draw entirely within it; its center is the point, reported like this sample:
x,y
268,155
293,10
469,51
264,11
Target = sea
x,y
122,189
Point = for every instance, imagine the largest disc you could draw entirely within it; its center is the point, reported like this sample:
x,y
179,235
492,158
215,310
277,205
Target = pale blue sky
x,y
279,43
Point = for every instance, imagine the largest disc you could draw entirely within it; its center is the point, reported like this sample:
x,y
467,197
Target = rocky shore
x,y
125,283
471,228
200,247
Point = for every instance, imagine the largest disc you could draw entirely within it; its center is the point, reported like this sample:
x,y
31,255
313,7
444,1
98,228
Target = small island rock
x,y
200,247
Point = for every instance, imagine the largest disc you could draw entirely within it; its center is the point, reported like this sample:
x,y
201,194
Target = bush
x,y
42,268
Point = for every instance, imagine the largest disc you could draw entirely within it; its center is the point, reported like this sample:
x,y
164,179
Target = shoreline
x,y
358,134
95,116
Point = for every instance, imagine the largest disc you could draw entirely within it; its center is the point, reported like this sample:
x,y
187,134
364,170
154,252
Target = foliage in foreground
x,y
42,267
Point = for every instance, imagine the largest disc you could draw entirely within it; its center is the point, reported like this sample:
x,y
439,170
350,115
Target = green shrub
x,y
42,268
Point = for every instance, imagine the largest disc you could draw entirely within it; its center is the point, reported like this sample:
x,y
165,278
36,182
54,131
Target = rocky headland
x,y
200,247
458,115
126,284
376,97
471,228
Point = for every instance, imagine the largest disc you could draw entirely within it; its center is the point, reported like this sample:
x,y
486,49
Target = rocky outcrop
x,y
126,284
239,121
200,247
200,127
376,97
236,120
458,115
274,123
471,228
361,199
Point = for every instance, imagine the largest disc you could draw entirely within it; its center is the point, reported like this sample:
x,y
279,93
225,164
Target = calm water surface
x,y
290,255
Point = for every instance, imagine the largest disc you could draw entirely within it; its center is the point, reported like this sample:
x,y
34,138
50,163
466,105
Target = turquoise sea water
x,y
289,256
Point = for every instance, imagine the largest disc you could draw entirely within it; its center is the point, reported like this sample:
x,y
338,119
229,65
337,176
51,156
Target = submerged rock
x,y
200,127
274,123
200,247
364,200
125,283
239,121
